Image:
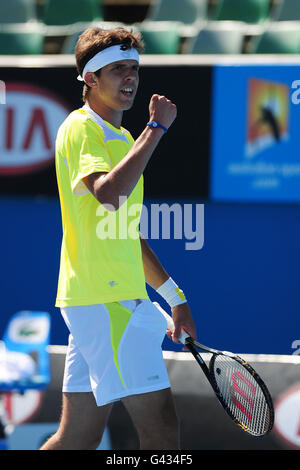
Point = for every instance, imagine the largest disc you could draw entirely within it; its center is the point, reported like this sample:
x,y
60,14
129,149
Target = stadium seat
x,y
279,38
17,11
184,11
28,333
71,39
248,11
288,10
69,43
218,38
12,42
67,12
160,38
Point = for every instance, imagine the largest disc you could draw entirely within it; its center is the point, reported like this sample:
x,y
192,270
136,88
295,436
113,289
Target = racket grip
x,y
170,324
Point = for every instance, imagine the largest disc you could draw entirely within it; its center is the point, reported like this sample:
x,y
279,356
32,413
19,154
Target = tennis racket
x,y
238,387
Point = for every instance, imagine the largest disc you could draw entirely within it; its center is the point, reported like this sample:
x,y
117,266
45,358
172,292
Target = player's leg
x,y
150,403
82,423
155,419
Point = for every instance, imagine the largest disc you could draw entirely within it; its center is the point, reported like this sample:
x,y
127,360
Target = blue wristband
x,y
155,124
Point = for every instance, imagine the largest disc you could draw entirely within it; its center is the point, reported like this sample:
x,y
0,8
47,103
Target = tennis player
x,y
114,351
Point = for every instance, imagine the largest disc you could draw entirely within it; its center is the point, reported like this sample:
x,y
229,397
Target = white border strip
x,y
66,60
185,356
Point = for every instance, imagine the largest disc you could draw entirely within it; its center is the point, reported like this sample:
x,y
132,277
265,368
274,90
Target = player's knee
x,y
165,434
84,442
171,432
75,439
168,440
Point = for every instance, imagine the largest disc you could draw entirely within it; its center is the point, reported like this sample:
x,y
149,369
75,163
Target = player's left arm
x,y
156,276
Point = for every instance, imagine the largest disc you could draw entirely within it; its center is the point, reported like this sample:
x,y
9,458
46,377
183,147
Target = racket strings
x,y
242,395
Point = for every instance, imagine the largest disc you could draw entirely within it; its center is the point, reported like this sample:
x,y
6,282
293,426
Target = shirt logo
x,y
153,377
113,283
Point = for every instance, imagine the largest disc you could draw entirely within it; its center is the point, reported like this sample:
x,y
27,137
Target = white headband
x,y
107,56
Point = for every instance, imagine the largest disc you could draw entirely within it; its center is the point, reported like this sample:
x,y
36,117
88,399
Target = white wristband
x,y
170,291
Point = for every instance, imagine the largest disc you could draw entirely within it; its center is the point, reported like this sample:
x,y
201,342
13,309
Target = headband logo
x,y
125,51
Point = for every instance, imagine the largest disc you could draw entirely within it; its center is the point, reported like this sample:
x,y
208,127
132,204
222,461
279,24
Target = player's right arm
x,y
121,180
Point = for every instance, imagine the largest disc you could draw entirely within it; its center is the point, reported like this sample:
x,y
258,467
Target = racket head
x,y
242,393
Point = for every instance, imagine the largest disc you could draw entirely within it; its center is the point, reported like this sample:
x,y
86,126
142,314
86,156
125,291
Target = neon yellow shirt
x,y
101,259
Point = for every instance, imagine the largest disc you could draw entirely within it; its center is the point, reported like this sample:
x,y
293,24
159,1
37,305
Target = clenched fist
x,y
162,110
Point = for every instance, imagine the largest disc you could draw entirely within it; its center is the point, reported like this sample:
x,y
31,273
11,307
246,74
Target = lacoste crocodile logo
x,y
26,330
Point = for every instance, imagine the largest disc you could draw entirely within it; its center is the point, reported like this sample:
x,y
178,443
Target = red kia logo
x,y
30,119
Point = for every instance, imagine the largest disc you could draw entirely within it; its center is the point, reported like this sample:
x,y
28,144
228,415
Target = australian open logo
x,y
268,115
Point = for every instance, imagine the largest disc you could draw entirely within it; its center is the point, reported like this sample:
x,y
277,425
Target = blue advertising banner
x,y
242,283
255,151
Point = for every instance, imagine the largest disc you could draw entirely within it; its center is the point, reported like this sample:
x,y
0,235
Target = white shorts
x,y
115,350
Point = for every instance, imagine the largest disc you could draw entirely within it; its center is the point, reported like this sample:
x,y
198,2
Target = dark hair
x,y
94,40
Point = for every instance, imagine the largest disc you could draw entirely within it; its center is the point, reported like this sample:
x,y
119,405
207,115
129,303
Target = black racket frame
x,y
193,347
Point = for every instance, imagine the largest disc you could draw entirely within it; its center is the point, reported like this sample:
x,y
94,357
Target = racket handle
x,y
170,324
